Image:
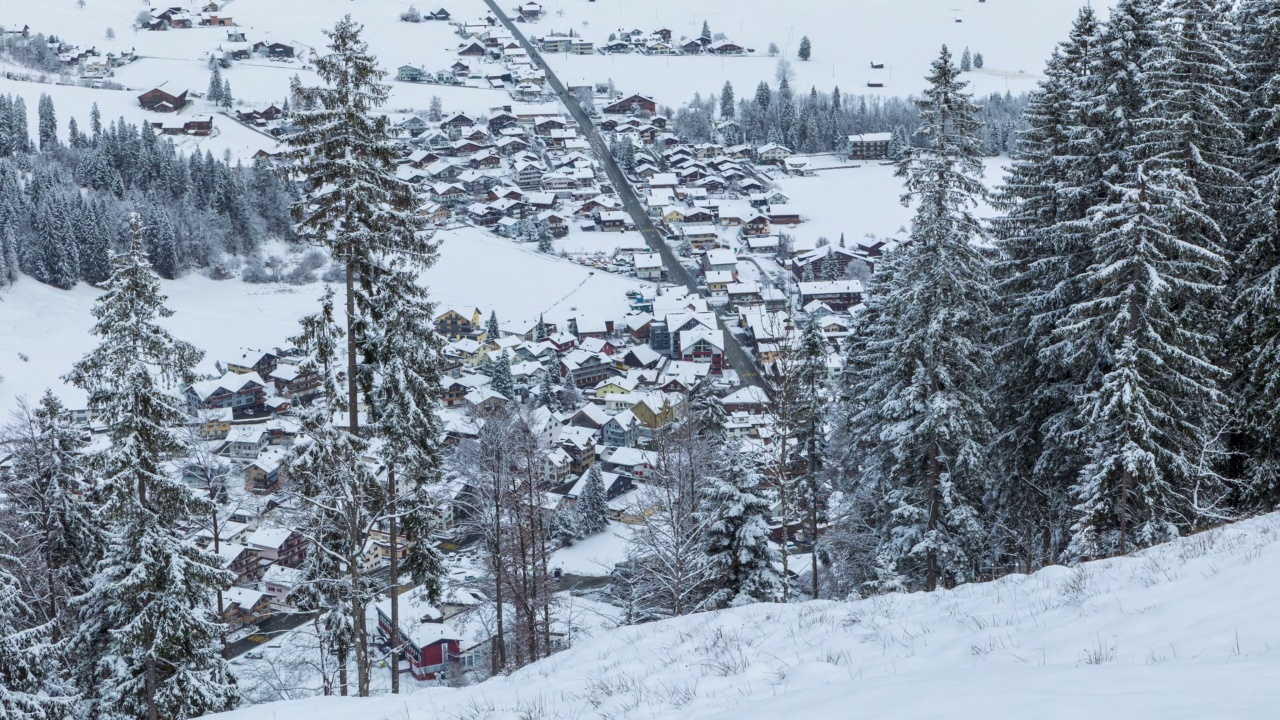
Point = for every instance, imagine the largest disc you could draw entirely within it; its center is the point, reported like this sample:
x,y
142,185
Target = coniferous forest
x,y
64,205
1093,371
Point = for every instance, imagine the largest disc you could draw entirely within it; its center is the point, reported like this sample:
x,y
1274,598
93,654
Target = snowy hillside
x,y
1185,630
223,317
904,35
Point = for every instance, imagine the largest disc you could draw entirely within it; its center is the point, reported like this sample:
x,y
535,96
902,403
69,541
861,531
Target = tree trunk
x,y
342,672
1124,511
395,581
361,636
499,660
931,559
353,412
216,541
153,712
813,538
785,497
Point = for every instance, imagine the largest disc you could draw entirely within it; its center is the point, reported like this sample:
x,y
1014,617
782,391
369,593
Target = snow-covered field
x,y
1015,37
51,327
859,201
1181,631
178,59
76,102
595,555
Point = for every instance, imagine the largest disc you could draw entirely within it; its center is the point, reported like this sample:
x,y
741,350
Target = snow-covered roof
x,y
748,394
647,261
242,596
630,457
689,337
828,287
270,537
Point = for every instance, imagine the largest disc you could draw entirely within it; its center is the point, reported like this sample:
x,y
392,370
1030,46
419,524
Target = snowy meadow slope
x,y
50,327
1183,630
1014,37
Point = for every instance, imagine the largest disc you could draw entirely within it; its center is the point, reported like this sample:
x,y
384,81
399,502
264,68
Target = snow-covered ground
x,y
859,201
1185,630
71,101
50,327
594,556
1015,38
178,59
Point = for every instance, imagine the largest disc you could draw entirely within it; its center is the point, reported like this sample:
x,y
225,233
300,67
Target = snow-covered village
x,y
501,360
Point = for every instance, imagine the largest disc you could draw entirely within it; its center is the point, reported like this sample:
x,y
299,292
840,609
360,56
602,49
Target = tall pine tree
x,y
162,655
1255,326
921,395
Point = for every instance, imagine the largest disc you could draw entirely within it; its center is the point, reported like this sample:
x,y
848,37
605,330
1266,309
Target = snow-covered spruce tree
x,y
813,413
1193,122
214,93
565,526
502,381
923,369
1044,251
548,396
160,654
160,240
806,49
738,538
831,270
363,215
50,494
966,61
1151,409
52,257
47,123
404,351
706,411
546,241
491,327
93,243
1255,328
30,684
593,506
570,396
354,204
727,102
8,252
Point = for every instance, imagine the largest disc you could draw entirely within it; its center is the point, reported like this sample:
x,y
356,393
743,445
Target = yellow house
x,y
613,387
655,411
454,325
674,215
469,352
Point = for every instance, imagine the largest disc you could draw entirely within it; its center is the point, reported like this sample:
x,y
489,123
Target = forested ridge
x,y
64,204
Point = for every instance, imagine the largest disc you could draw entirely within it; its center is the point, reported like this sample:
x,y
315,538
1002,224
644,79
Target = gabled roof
x,y
230,382
747,395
